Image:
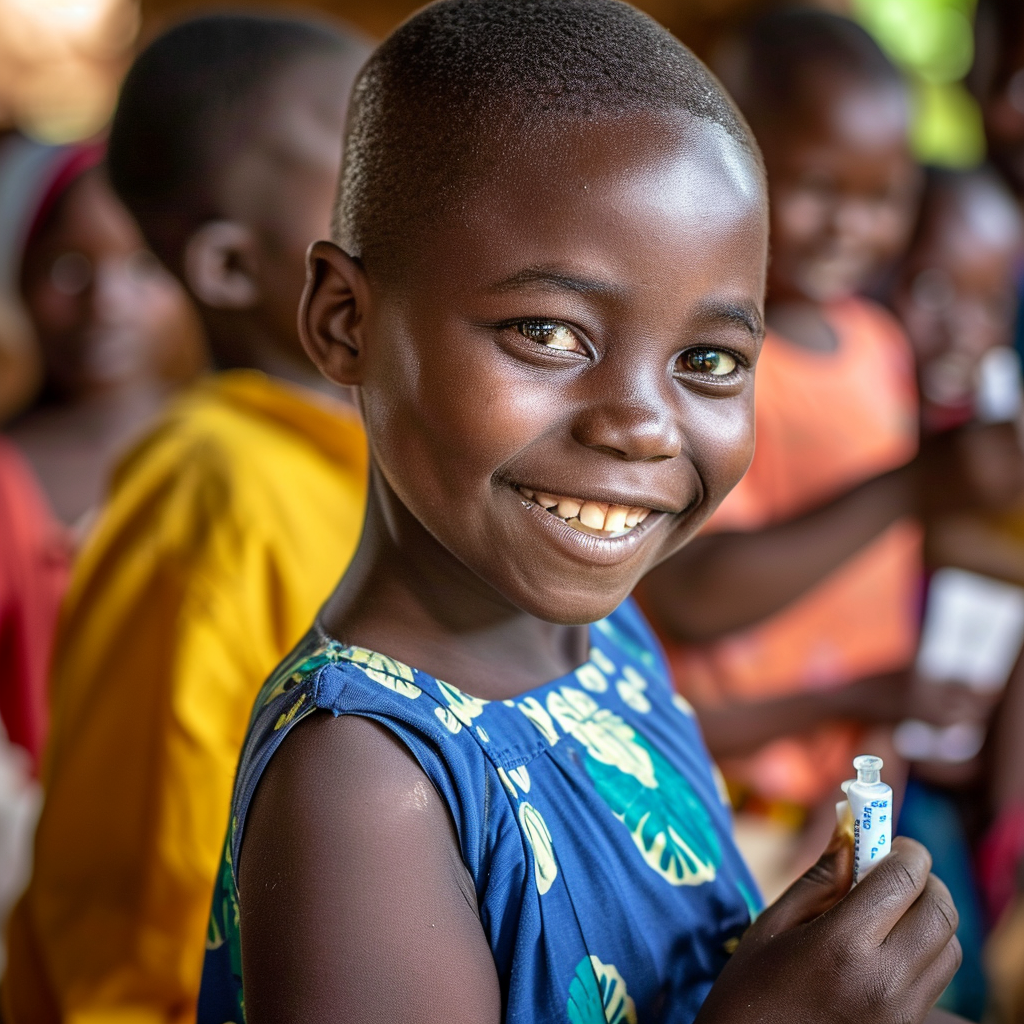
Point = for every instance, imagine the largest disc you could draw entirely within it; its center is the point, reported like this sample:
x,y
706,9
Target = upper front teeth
x,y
596,515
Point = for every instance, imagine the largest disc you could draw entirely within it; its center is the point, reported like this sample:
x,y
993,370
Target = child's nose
x,y
634,429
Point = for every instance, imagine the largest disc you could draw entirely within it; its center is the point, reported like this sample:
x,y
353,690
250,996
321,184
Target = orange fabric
x,y
35,554
825,422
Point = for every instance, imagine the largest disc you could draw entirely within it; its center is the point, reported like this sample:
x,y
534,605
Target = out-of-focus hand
x,y
976,467
892,697
948,703
882,952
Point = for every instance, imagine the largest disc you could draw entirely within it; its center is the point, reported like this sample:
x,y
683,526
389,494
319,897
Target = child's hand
x,y
974,467
892,697
948,703
881,953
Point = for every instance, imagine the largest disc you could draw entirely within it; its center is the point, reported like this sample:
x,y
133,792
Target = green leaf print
x,y
461,710
309,658
384,670
606,736
597,995
669,824
224,925
538,835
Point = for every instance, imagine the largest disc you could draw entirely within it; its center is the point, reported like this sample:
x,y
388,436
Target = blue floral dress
x,y
588,814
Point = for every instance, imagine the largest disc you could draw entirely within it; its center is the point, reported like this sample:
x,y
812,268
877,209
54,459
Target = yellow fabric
x,y
225,531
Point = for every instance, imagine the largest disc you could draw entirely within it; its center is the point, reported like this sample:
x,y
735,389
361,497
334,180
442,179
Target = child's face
x,y
100,303
843,191
586,328
956,300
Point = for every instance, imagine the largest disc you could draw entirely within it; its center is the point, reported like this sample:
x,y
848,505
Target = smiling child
x,y
546,284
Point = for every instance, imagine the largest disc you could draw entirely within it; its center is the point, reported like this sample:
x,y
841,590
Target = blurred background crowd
x,y
865,607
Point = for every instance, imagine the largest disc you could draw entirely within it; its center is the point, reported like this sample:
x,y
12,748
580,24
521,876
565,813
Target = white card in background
x,y
973,630
973,634
999,397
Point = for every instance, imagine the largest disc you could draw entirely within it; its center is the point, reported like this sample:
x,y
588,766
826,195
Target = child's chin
x,y
567,608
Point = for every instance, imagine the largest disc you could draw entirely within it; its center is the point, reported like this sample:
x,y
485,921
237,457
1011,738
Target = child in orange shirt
x,y
794,618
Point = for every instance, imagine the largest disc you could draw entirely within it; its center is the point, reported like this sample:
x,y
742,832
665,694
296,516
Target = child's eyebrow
x,y
748,317
553,279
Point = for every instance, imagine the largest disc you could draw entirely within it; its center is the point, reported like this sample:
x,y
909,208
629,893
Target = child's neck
x,y
406,596
802,323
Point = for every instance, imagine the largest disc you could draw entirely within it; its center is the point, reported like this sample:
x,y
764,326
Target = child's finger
x,y
923,932
877,903
937,975
816,891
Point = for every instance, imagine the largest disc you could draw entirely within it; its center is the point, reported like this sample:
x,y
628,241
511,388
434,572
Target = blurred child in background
x,y
225,528
955,294
997,79
794,619
34,562
998,82
104,314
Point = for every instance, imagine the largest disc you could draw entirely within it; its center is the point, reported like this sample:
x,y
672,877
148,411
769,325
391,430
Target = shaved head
x,y
466,88
195,99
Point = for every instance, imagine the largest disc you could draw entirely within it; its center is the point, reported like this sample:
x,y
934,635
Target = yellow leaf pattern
x,y
606,736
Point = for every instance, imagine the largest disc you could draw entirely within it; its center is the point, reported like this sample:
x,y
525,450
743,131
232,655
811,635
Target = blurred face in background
x,y
104,310
843,188
956,294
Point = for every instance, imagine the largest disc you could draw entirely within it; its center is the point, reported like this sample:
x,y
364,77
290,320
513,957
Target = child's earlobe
x,y
220,265
332,313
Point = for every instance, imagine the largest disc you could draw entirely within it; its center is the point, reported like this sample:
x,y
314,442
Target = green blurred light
x,y
933,38
932,41
947,129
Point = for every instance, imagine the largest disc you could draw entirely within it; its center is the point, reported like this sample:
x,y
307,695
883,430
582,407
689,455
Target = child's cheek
x,y
725,446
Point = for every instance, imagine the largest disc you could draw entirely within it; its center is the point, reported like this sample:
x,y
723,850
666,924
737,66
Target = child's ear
x,y
332,313
221,267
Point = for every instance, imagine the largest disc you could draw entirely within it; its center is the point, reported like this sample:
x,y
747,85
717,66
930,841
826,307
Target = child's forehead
x,y
836,106
628,220
563,154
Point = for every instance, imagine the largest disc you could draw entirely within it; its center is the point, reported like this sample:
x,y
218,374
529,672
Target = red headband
x,y
73,165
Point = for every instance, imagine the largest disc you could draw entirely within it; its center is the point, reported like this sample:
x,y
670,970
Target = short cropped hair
x,y
186,107
463,81
769,66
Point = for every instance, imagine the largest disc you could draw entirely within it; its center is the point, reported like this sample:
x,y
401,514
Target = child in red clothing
x,y
34,558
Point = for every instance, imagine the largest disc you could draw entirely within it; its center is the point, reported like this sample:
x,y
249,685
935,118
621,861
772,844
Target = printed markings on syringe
x,y
870,801
877,849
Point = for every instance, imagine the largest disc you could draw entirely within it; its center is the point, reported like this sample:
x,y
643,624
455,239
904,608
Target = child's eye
x,y
551,335
710,362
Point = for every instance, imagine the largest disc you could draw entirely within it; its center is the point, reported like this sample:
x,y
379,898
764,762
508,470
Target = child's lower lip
x,y
586,547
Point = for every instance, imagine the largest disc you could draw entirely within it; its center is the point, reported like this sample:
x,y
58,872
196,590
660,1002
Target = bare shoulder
x,y
350,864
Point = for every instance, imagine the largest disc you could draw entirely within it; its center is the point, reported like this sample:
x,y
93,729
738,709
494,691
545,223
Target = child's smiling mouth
x,y
596,518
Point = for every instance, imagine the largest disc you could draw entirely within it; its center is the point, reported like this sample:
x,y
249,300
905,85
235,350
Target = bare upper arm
x,y
355,903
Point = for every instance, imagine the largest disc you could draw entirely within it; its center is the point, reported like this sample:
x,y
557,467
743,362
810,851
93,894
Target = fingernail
x,y
842,835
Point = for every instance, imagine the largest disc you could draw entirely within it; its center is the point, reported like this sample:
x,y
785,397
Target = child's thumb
x,y
818,889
